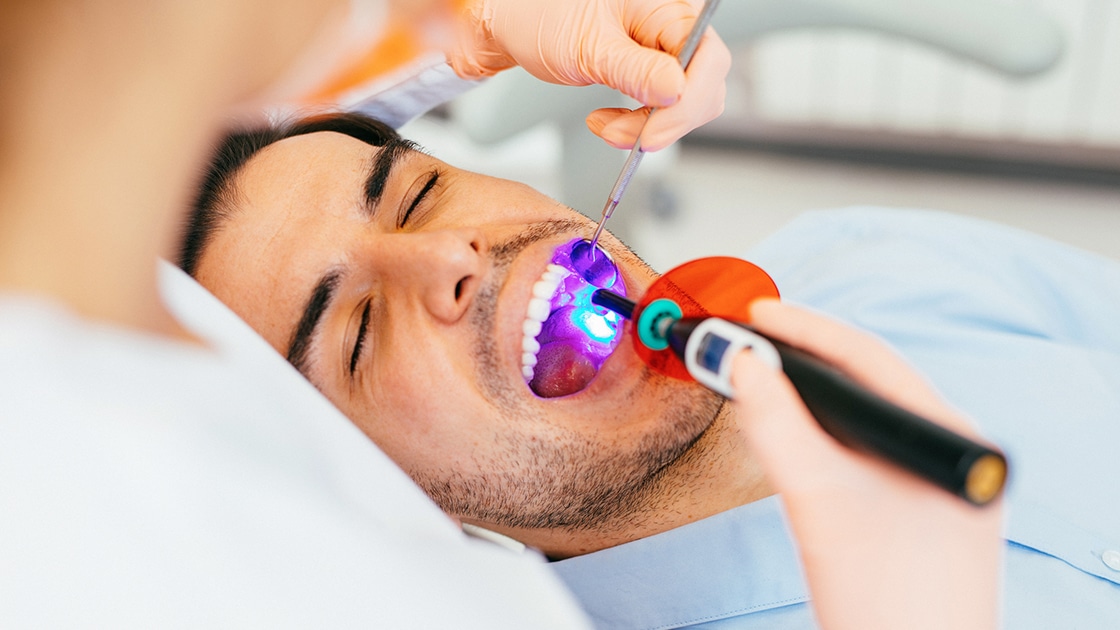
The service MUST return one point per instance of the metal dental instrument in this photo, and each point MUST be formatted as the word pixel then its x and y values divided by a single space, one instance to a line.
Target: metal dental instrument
pixel 635 157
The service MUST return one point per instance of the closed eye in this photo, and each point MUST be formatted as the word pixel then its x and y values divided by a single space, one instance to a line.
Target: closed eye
pixel 363 328
pixel 433 179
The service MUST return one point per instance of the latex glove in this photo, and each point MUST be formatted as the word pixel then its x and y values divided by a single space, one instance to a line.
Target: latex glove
pixel 881 549
pixel 629 45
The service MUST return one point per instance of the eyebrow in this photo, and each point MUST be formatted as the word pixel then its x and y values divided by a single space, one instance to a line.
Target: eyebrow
pixel 313 310
pixel 380 169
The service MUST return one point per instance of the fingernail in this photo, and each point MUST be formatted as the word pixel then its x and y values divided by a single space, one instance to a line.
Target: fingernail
pixel 761 306
pixel 617 133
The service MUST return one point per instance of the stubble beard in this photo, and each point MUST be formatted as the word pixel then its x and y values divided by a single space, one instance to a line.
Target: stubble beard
pixel 539 472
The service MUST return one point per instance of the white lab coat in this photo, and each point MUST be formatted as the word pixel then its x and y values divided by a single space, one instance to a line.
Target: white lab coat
pixel 153 483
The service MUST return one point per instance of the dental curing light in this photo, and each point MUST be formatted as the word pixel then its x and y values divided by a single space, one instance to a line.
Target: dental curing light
pixel 685 326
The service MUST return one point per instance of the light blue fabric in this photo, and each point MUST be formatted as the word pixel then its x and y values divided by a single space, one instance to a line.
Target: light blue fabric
pixel 1019 332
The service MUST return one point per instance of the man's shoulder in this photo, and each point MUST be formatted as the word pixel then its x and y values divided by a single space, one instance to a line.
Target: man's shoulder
pixel 736 569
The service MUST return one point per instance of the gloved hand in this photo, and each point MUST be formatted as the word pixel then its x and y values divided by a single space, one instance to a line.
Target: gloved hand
pixel 881 549
pixel 629 45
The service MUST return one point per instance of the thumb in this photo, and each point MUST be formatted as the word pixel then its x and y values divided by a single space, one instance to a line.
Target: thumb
pixel 774 417
pixel 617 125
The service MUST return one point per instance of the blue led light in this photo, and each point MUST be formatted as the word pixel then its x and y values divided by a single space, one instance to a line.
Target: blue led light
pixel 598 327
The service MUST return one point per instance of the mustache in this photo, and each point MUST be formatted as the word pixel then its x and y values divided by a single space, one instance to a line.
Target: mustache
pixel 504 252
pixel 483 316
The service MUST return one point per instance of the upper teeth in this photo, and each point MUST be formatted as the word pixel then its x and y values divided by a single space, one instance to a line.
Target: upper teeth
pixel 540 306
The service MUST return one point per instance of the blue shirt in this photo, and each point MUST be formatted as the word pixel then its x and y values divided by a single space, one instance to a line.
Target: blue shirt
pixel 1019 332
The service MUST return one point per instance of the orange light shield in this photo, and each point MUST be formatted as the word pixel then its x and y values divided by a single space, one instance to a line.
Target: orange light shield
pixel 720 286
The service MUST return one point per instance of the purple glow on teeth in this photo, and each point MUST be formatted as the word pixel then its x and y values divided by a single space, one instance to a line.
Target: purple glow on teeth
pixel 577 336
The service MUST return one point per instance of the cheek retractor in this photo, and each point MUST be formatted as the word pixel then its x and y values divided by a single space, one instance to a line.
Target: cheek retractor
pixel 567 338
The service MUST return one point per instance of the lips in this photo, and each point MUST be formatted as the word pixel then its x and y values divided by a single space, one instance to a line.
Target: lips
pixel 566 338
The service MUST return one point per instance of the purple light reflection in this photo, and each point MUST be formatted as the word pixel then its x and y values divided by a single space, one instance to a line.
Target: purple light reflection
pixel 578 336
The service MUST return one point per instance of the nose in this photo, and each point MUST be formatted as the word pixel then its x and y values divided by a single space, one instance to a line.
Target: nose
pixel 441 270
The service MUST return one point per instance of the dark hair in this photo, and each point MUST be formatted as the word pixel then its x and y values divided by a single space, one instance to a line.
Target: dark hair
pixel 215 200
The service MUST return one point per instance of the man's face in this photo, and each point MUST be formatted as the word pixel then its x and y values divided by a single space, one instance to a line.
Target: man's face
pixel 423 290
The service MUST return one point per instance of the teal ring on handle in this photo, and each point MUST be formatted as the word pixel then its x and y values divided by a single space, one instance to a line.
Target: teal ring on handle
pixel 651 316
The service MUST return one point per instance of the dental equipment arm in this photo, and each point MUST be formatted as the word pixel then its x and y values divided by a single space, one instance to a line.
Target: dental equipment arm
pixel 1014 39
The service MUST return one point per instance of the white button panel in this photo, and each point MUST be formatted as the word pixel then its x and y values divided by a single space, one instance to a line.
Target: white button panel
pixel 1111 559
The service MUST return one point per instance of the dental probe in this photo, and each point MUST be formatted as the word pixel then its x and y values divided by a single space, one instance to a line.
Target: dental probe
pixel 635 157
pixel 854 416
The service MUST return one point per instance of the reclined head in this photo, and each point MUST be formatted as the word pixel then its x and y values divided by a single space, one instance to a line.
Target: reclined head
pixel 401 287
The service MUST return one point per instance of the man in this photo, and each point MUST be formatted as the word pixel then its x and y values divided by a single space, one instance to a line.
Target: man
pixel 565 475
pixel 399 286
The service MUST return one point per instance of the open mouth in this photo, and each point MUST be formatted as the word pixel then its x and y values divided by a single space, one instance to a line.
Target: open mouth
pixel 566 338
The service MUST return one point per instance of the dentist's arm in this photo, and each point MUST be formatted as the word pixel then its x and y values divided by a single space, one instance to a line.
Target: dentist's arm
pixel 881 549
pixel 629 45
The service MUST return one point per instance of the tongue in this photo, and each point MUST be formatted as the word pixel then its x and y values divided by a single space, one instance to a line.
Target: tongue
pixel 561 370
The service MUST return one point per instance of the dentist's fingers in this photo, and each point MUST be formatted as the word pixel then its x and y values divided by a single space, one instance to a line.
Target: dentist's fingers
pixel 862 525
pixel 624 125
pixel 629 45
pixel 660 29
pixel 638 59
pixel 880 549
pixel 701 101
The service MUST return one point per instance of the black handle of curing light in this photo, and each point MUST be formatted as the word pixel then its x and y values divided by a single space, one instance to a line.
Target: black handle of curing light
pixel 868 423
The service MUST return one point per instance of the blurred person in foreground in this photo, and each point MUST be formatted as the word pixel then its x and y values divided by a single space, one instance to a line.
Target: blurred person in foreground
pixel 152 477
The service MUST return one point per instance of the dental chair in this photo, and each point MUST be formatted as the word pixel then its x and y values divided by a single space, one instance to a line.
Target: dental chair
pixel 1010 39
